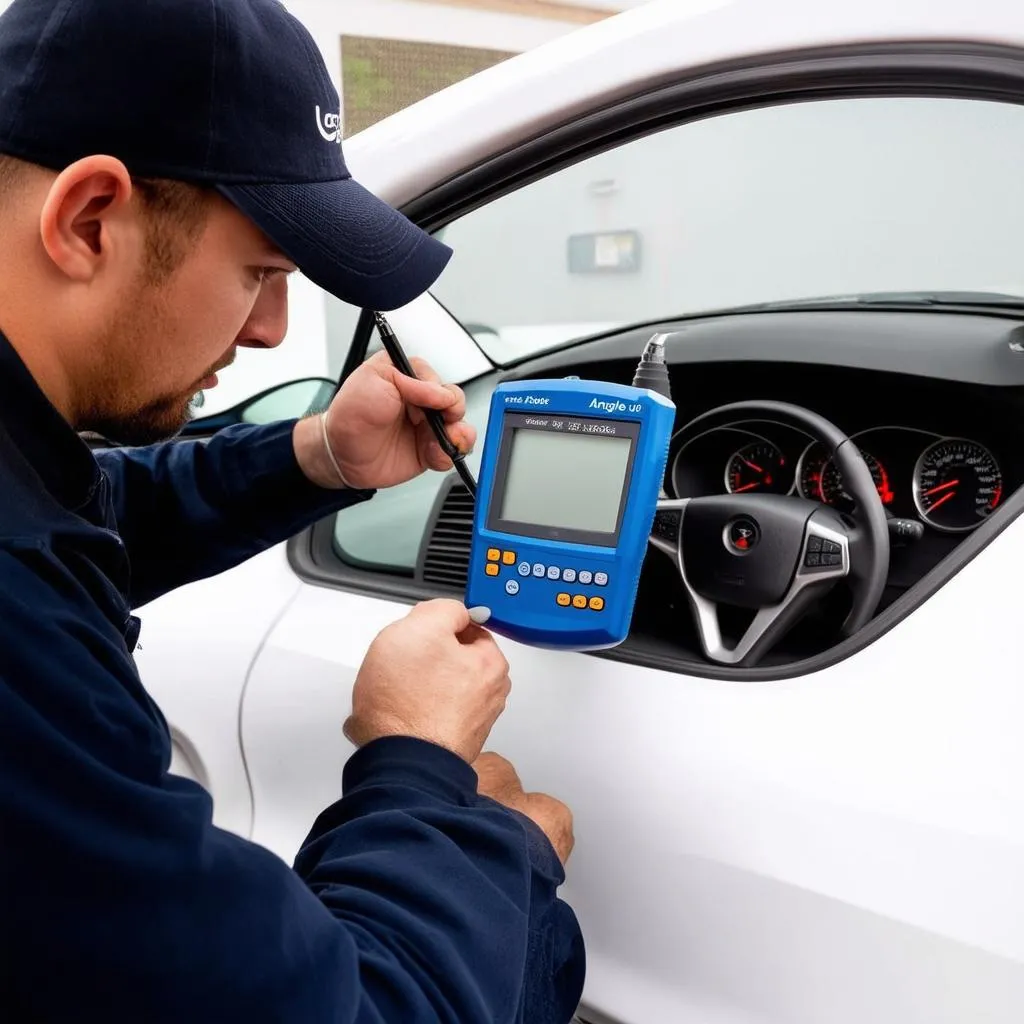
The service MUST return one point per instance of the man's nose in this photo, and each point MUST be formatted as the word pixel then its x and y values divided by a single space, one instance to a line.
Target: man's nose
pixel 268 321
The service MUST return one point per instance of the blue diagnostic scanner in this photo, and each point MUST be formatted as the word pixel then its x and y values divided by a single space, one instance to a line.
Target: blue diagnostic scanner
pixel 569 483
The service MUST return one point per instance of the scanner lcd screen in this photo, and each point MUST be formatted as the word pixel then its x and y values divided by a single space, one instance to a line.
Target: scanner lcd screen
pixel 565 481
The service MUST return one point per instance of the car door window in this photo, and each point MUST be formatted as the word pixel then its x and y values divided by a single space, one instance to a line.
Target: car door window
pixel 833 196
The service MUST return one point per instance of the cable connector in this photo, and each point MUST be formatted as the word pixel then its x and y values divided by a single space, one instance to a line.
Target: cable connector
pixel 652 371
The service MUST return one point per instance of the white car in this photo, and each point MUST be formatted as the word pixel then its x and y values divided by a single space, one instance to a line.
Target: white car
pixel 822 205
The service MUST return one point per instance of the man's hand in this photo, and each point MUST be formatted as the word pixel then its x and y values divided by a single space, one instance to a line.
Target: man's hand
pixel 434 675
pixel 499 781
pixel 377 430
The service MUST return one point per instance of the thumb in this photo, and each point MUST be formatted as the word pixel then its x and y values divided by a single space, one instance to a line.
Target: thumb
pixel 443 614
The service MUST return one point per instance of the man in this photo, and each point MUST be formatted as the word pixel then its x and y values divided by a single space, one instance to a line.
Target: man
pixel 165 166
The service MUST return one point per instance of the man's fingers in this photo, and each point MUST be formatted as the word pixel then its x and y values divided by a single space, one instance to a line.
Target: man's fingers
pixel 428 392
pixel 462 435
pixel 444 613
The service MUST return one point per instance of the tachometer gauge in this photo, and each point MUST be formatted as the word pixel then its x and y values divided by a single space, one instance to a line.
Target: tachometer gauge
pixel 812 462
pixel 758 466
pixel 957 484
pixel 832 491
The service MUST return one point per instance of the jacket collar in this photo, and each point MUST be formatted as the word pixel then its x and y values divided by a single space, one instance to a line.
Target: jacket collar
pixel 60 458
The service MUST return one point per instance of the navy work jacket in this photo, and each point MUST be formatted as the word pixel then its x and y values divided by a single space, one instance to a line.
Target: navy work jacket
pixel 412 899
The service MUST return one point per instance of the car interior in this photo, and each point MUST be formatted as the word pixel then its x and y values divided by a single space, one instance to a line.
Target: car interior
pixel 930 390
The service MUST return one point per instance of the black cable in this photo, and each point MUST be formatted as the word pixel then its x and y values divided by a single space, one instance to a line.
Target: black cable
pixel 394 350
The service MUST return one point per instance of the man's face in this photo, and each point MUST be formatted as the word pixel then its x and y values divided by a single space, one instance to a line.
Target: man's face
pixel 166 337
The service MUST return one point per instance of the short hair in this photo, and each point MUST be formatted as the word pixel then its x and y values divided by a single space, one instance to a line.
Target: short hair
pixel 176 213
pixel 11 171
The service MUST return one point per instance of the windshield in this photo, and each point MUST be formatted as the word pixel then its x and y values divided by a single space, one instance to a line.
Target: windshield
pixel 831 197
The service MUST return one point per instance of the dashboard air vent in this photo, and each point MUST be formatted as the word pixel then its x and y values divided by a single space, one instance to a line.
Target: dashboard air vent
pixel 444 558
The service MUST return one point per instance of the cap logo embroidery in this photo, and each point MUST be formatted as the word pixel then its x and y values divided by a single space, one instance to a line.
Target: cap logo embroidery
pixel 329 126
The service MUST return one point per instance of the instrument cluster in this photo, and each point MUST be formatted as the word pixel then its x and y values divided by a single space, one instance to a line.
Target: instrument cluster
pixel 951 484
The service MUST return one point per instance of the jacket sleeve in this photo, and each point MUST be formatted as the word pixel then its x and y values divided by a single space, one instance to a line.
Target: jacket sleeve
pixel 412 900
pixel 191 509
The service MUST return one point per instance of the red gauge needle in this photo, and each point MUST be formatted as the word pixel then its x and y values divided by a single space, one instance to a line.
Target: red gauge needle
pixel 756 469
pixel 941 487
pixel 745 487
pixel 942 501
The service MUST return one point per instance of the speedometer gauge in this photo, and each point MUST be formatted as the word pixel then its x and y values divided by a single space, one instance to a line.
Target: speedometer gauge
pixel 758 466
pixel 957 484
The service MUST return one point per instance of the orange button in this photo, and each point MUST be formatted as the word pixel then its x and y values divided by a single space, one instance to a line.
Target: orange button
pixel 563 600
pixel 508 557
pixel 493 554
pixel 492 569
pixel 596 603
pixel 579 601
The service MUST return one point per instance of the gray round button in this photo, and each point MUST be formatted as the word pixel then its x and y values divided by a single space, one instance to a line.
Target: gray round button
pixel 553 572
pixel 523 568
pixel 585 576
pixel 538 568
pixel 512 587
pixel 601 579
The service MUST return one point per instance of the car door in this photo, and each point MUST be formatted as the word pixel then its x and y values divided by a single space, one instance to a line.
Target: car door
pixel 838 843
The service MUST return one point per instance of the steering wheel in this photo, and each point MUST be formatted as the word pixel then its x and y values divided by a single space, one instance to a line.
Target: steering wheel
pixel 775 554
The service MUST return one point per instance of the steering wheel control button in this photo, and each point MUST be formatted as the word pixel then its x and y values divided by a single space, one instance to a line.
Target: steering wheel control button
pixel 601 579
pixel 831 553
pixel 823 553
pixel 585 577
pixel 563 600
pixel 523 569
pixel 493 554
pixel 539 569
pixel 579 601
pixel 667 522
pixel 512 587
pixel 569 575
pixel 508 557
pixel 554 572
pixel 492 569
pixel 596 604
pixel 742 535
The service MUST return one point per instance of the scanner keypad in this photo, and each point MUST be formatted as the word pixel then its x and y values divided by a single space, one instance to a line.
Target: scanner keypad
pixel 498 560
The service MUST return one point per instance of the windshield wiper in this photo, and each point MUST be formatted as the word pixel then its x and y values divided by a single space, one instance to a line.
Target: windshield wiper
pixel 973 299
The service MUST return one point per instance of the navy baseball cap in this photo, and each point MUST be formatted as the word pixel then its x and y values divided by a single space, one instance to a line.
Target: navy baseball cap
pixel 232 94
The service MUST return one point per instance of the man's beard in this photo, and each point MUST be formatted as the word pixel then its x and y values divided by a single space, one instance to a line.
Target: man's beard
pixel 159 420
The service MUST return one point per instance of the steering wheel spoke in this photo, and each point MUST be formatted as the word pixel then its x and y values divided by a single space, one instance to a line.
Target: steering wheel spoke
pixel 806 550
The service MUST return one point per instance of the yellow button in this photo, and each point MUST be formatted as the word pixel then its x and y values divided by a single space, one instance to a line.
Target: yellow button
pixel 563 600
pixel 493 554
pixel 492 569
pixel 579 601
pixel 508 557
pixel 596 603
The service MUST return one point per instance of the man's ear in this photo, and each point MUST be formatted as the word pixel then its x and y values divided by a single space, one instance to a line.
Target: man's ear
pixel 86 202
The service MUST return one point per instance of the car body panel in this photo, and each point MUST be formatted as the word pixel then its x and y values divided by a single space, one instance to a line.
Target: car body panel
pixel 197 646
pixel 843 846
